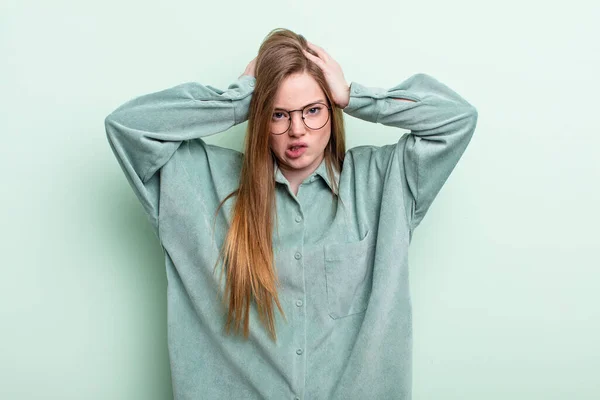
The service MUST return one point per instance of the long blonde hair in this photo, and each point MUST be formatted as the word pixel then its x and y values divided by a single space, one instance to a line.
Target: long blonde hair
pixel 247 251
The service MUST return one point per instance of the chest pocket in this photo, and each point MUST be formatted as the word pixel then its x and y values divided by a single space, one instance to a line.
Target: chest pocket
pixel 349 276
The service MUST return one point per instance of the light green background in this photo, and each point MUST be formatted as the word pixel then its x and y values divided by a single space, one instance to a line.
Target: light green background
pixel 504 267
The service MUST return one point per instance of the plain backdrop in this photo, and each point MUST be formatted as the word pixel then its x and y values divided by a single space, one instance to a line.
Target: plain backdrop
pixel 504 267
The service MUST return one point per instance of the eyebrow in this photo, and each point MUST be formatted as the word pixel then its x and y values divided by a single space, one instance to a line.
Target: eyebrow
pixel 316 101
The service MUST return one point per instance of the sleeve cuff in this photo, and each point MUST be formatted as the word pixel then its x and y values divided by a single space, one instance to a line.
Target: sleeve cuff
pixel 247 80
pixel 243 88
pixel 363 102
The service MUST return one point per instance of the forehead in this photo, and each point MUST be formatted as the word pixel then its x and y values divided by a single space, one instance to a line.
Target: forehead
pixel 298 90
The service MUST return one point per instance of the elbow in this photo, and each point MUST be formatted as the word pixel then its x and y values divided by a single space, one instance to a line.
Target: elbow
pixel 110 125
pixel 112 120
pixel 474 115
pixel 470 113
pixel 108 120
pixel 473 111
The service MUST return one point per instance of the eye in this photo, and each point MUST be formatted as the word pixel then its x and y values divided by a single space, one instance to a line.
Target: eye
pixel 278 115
pixel 314 110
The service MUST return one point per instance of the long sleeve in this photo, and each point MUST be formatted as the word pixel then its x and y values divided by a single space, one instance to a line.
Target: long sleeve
pixel 146 131
pixel 441 124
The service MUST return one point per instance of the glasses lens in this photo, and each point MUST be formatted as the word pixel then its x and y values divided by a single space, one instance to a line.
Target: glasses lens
pixel 280 122
pixel 316 115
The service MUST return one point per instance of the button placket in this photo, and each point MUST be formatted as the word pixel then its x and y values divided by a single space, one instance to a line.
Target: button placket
pixel 296 218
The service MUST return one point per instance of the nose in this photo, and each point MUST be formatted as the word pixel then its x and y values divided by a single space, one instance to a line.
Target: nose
pixel 297 125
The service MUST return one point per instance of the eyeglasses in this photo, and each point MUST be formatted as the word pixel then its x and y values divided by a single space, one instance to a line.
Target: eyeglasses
pixel 314 116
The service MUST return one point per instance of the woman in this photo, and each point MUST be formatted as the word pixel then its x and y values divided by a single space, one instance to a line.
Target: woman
pixel 313 240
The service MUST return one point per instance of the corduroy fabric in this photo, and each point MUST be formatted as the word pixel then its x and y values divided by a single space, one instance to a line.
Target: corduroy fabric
pixel 343 268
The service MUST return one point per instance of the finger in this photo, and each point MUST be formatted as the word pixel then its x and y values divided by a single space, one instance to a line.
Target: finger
pixel 319 50
pixel 314 59
pixel 310 55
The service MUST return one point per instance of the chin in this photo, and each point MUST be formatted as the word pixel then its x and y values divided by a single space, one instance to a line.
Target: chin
pixel 297 164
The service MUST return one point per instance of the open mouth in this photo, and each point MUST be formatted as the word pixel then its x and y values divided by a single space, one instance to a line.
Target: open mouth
pixel 295 151
pixel 297 146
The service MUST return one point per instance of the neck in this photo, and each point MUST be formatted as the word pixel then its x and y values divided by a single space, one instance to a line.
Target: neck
pixel 296 176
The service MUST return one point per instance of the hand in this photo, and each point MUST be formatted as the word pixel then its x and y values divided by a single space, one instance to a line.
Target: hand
pixel 250 68
pixel 340 90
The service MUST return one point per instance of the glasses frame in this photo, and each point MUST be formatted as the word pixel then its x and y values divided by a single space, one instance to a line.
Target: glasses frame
pixel 304 122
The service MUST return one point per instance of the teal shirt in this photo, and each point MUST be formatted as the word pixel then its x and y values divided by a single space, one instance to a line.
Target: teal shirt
pixel 342 265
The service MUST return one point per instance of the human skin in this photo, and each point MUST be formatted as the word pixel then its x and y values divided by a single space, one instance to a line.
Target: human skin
pixel 295 92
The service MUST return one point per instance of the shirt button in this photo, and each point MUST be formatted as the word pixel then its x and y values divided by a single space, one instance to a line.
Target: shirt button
pixel 297 256
pixel 299 303
pixel 298 218
pixel 299 351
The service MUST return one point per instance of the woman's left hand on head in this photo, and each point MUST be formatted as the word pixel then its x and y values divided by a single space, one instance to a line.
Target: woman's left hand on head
pixel 340 90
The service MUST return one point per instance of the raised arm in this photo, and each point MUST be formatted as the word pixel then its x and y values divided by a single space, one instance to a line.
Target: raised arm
pixel 441 124
pixel 146 131
pixel 440 120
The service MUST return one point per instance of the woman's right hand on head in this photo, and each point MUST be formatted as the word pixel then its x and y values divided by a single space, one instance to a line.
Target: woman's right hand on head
pixel 250 68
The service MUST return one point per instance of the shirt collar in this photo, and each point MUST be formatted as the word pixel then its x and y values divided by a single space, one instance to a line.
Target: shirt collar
pixel 321 171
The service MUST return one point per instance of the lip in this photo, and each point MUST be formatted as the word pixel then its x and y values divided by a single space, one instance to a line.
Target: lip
pixel 293 154
pixel 299 144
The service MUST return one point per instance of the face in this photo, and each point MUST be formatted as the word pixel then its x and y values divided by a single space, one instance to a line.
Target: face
pixel 295 92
